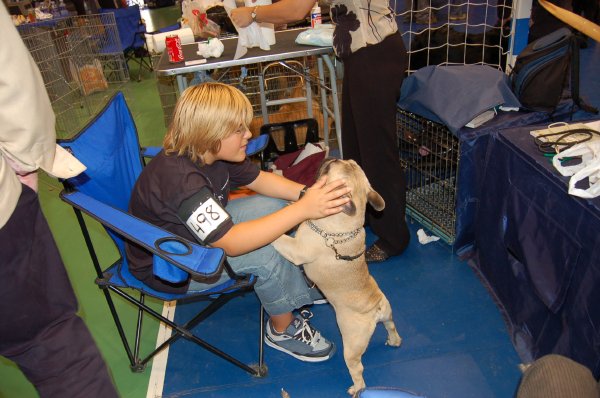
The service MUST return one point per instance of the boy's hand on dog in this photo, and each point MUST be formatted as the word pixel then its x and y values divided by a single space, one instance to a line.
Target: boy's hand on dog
pixel 324 199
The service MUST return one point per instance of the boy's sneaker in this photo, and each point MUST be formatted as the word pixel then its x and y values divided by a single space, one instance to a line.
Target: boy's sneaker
pixel 300 340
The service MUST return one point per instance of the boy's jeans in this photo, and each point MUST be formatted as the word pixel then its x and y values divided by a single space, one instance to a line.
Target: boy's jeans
pixel 281 286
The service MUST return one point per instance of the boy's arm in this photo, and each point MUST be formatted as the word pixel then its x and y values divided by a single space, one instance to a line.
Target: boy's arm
pixel 276 186
pixel 319 201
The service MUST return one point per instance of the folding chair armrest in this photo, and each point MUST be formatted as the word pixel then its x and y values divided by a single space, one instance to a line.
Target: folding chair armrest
pixel 151 151
pixel 200 261
pixel 142 26
pixel 257 145
pixel 169 28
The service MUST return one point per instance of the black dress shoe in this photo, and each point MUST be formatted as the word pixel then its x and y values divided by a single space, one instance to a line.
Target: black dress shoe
pixel 375 254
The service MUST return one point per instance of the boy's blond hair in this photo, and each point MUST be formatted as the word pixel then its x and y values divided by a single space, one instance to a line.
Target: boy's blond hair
pixel 204 115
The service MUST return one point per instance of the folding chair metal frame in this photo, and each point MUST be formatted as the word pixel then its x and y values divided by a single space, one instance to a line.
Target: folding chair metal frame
pixel 133 41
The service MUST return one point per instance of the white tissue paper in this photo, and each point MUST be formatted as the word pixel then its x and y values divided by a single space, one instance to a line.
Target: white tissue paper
pixel 424 238
pixel 156 42
pixel 321 35
pixel 211 48
pixel 254 35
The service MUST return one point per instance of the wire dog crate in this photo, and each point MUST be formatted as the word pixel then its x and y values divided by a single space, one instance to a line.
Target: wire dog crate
pixel 81 63
pixel 430 154
pixel 286 89
pixel 167 91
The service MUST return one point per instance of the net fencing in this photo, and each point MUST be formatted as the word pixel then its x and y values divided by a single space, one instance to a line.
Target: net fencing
pixel 455 32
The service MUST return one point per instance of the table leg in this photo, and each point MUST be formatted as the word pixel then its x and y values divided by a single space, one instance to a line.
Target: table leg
pixel 181 83
pixel 335 102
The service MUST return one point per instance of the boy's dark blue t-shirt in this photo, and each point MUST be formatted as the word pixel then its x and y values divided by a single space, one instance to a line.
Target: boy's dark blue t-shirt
pixel 158 193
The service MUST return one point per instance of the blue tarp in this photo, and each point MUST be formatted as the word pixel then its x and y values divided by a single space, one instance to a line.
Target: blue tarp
pixel 537 248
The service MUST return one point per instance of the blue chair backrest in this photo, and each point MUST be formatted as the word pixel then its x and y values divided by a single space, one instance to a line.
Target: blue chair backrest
pixel 128 25
pixel 109 147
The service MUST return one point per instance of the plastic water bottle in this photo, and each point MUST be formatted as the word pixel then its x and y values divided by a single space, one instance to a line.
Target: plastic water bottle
pixel 315 16
pixel 62 9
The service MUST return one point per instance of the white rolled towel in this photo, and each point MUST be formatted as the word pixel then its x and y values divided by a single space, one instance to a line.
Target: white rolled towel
pixel 156 42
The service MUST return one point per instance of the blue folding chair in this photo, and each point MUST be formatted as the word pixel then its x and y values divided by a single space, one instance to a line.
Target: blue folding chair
pixel 132 29
pixel 110 149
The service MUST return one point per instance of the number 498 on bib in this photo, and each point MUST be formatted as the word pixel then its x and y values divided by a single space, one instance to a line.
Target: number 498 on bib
pixel 207 218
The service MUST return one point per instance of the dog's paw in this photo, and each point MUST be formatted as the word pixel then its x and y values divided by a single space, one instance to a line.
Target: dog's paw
pixel 353 392
pixel 394 340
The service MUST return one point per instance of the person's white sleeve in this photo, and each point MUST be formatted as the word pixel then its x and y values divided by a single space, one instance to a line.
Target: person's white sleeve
pixel 27 130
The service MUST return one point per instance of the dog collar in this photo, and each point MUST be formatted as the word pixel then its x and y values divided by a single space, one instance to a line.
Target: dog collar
pixel 331 240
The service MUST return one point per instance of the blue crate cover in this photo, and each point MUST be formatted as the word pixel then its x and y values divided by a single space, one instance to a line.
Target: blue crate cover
pixel 453 95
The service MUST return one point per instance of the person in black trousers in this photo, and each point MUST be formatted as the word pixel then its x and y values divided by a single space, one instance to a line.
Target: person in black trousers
pixel 589 9
pixel 542 22
pixel 373 75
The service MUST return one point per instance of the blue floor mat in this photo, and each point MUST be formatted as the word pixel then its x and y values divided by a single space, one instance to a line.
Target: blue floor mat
pixel 454 340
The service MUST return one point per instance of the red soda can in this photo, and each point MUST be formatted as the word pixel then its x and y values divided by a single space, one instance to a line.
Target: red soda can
pixel 173 44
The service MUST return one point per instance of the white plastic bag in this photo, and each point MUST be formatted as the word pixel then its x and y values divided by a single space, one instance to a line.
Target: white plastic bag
pixel 195 17
pixel 322 35
pixel 588 168
pixel 588 151
pixel 592 173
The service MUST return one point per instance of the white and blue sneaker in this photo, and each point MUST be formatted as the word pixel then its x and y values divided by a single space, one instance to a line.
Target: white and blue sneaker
pixel 300 340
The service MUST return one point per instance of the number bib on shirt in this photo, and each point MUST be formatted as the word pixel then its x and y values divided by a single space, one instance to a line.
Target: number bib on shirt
pixel 203 215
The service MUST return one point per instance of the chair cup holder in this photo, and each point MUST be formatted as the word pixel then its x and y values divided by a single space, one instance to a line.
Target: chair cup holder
pixel 163 268
pixel 173 246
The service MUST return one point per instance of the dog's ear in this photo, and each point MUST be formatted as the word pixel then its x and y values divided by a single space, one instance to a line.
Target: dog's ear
pixel 375 200
pixel 349 208
pixel 324 167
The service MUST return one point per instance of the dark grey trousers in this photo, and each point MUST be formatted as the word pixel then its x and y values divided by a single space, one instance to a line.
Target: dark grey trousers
pixel 40 330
